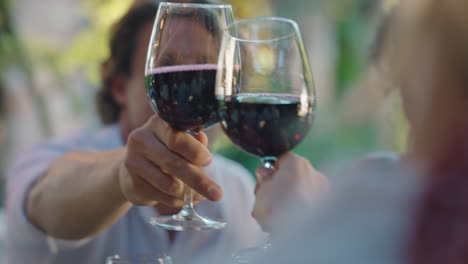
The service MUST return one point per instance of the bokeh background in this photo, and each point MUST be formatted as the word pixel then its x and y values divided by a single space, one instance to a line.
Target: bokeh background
pixel 50 52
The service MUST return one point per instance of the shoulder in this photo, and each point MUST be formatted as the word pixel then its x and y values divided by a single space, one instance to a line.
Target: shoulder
pixel 37 157
pixel 375 186
pixel 102 139
pixel 378 159
pixel 372 204
pixel 379 173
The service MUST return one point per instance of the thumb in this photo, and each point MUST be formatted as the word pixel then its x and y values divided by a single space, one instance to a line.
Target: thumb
pixel 264 174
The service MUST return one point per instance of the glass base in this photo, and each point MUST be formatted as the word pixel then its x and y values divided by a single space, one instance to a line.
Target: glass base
pixel 181 222
pixel 247 255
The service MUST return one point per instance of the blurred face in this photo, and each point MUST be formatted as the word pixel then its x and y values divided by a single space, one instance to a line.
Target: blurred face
pixel 138 109
pixel 191 38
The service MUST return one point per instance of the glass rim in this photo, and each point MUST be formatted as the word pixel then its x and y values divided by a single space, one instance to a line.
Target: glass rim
pixel 294 31
pixel 195 5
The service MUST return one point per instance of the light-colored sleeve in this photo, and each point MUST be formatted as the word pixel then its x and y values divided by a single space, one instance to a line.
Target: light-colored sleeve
pixel 238 185
pixel 364 220
pixel 21 233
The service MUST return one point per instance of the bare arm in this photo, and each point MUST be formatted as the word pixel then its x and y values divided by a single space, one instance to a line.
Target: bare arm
pixel 82 194
pixel 79 195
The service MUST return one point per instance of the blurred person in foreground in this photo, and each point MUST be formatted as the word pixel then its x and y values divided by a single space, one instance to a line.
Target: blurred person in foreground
pixel 407 210
pixel 72 200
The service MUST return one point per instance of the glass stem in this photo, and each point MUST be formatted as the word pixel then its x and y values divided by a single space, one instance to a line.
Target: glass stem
pixel 188 209
pixel 267 245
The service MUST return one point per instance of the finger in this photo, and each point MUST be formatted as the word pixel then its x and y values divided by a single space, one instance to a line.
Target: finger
pixel 190 174
pixel 146 194
pixel 155 176
pixel 168 200
pixel 202 138
pixel 180 142
pixel 198 197
pixel 264 174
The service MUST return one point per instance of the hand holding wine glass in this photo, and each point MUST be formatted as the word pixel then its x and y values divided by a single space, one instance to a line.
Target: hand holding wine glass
pixel 158 160
pixel 180 75
pixel 293 186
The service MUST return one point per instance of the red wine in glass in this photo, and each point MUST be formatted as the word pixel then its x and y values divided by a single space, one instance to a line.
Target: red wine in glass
pixel 183 95
pixel 266 125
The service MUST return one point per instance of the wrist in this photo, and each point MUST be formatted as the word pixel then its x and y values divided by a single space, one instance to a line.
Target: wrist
pixel 119 172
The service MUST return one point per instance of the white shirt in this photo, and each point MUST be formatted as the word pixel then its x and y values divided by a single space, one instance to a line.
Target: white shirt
pixel 367 219
pixel 132 234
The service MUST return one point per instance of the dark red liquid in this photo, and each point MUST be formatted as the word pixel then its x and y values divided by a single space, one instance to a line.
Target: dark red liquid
pixel 266 125
pixel 184 95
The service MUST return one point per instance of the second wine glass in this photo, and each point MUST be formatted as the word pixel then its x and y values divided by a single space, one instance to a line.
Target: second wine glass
pixel 265 87
pixel 180 75
pixel 266 92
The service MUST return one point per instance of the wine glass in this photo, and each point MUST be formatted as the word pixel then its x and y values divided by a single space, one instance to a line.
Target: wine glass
pixel 180 76
pixel 265 91
pixel 140 259
pixel 265 87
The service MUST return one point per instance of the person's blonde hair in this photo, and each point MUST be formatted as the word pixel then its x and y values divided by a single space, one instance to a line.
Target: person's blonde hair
pixel 430 58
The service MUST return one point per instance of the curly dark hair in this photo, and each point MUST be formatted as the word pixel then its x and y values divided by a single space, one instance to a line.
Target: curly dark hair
pixel 123 42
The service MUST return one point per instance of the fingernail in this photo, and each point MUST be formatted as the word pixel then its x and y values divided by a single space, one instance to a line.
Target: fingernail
pixel 263 173
pixel 215 193
pixel 208 161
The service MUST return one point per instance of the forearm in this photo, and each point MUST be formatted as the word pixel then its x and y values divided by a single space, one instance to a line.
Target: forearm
pixel 79 195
